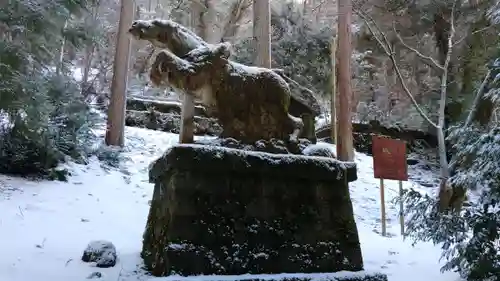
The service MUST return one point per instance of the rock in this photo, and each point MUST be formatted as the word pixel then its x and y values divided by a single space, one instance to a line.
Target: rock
pixel 427 184
pixel 319 150
pixel 94 275
pixel 226 211
pixel 425 167
pixel 274 146
pixel 102 252
pixel 412 162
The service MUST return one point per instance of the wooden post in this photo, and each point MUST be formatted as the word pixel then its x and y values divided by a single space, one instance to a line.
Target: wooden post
pixel 186 134
pixel 345 149
pixel 333 102
pixel 401 214
pixel 187 119
pixel 382 208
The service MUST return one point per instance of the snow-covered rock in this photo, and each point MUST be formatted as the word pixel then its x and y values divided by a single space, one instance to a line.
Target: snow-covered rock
pixel 102 252
pixel 319 150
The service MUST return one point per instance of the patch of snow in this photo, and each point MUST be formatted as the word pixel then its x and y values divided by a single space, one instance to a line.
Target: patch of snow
pixel 322 120
pixel 169 101
pixel 77 73
pixel 160 101
pixel 45 225
pixel 5 122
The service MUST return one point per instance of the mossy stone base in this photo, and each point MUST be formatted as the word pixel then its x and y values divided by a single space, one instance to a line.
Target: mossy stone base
pixel 340 276
pixel 227 211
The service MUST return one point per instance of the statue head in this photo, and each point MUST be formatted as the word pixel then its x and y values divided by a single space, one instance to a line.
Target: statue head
pixel 166 34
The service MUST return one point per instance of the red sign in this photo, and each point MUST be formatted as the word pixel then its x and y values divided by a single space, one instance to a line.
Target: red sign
pixel 389 158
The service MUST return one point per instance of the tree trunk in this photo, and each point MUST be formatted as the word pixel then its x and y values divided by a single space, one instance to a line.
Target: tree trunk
pixel 445 191
pixel 453 109
pixel 61 52
pixel 333 102
pixel 87 65
pixel 262 32
pixel 89 51
pixel 116 112
pixel 345 150
pixel 475 51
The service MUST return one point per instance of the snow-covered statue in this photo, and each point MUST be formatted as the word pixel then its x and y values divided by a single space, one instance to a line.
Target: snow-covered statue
pixel 252 106
pixel 251 103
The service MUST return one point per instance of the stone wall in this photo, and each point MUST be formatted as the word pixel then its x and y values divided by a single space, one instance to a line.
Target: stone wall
pixel 226 211
pixel 170 122
pixel 362 136
pixel 167 117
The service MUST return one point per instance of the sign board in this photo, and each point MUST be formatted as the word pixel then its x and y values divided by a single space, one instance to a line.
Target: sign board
pixel 389 158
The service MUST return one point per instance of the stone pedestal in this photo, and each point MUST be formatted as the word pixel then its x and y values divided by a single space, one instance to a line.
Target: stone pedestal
pixel 227 211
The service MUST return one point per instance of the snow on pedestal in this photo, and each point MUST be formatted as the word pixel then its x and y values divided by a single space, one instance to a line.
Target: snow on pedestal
pixel 226 211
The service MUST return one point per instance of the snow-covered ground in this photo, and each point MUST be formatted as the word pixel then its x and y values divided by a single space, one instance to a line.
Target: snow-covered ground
pixel 45 226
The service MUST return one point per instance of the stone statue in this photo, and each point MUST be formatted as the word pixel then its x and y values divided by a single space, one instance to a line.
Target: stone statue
pixel 251 103
pixel 205 196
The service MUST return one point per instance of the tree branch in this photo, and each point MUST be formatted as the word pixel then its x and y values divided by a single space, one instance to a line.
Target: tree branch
pixel 386 46
pixel 475 32
pixel 477 99
pixel 236 13
pixel 318 6
pixel 418 53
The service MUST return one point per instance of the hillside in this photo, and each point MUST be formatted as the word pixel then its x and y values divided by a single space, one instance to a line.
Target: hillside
pixel 50 223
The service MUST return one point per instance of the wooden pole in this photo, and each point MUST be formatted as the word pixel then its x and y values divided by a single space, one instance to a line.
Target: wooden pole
pixel 382 208
pixel 333 103
pixel 186 134
pixel 345 149
pixel 401 214
pixel 115 130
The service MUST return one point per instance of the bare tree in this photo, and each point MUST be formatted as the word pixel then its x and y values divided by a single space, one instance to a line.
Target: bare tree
pixel 90 20
pixel 116 113
pixel 233 22
pixel 446 192
pixel 262 32
pixel 345 148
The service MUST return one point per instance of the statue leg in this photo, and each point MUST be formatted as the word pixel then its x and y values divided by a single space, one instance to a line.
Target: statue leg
pixel 298 126
pixel 309 131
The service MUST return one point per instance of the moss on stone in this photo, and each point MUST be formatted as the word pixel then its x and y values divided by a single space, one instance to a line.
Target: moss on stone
pixel 343 276
pixel 309 130
pixel 227 211
pixel 210 159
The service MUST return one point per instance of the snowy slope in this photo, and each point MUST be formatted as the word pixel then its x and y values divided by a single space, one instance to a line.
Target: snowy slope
pixel 44 226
